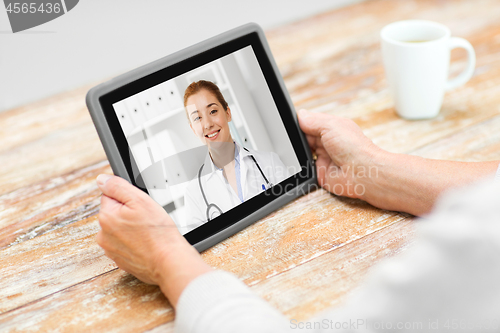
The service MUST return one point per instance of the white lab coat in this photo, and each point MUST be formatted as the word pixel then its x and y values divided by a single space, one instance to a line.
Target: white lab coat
pixel 218 190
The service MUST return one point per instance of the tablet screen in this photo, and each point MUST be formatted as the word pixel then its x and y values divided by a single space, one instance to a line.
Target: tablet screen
pixel 208 140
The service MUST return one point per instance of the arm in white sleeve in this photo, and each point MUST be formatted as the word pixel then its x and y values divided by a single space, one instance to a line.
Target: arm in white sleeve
pixel 448 277
pixel 446 281
pixel 218 302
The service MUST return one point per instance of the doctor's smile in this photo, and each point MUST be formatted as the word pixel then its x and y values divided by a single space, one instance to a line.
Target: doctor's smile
pixel 213 135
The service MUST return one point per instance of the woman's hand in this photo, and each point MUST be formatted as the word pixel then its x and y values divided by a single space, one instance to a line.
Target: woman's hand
pixel 350 164
pixel 346 158
pixel 143 240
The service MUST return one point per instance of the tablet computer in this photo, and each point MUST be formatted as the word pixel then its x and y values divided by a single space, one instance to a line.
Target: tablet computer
pixel 210 133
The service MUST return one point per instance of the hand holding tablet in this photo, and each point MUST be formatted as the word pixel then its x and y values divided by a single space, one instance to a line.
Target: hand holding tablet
pixel 143 240
pixel 209 133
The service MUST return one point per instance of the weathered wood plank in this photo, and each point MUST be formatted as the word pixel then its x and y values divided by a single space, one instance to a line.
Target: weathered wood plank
pixel 323 283
pixel 34 121
pixel 112 302
pixel 299 293
pixel 313 225
pixel 39 208
pixel 468 107
pixel 60 152
pixel 480 142
pixel 50 263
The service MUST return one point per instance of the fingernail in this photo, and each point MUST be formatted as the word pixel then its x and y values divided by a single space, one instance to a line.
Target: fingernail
pixel 102 179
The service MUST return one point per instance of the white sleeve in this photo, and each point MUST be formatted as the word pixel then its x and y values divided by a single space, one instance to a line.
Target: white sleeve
pixel 218 302
pixel 448 277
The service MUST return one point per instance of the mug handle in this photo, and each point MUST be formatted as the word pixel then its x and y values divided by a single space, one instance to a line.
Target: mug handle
pixel 463 77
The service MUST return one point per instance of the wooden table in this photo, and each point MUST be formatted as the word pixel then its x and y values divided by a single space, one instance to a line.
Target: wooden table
pixel 302 258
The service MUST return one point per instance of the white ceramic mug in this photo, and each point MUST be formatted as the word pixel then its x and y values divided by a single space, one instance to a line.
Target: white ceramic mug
pixel 416 57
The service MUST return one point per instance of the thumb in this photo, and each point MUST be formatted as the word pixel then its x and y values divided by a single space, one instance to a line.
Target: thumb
pixel 313 124
pixel 116 188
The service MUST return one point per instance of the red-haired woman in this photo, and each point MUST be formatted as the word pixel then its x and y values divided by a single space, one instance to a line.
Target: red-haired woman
pixel 231 174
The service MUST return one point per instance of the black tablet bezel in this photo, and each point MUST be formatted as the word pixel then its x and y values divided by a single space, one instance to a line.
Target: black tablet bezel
pixel 285 110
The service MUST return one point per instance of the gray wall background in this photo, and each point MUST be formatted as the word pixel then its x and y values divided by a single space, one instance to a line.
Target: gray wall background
pixel 100 39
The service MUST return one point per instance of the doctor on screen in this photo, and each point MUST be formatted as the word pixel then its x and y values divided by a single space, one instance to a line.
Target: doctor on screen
pixel 230 174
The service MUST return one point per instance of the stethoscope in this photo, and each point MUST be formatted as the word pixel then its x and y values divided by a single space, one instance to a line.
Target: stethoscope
pixel 213 206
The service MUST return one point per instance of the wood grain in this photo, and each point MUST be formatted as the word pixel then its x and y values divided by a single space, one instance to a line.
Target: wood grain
pixel 59 152
pixel 480 142
pixel 111 302
pixel 325 282
pixel 111 290
pixel 33 210
pixel 293 235
pixel 302 258
pixel 313 225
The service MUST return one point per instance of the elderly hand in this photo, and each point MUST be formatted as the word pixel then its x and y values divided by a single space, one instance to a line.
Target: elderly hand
pixel 345 156
pixel 350 164
pixel 143 240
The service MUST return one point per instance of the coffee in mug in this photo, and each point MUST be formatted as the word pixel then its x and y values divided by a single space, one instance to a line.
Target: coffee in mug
pixel 416 56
